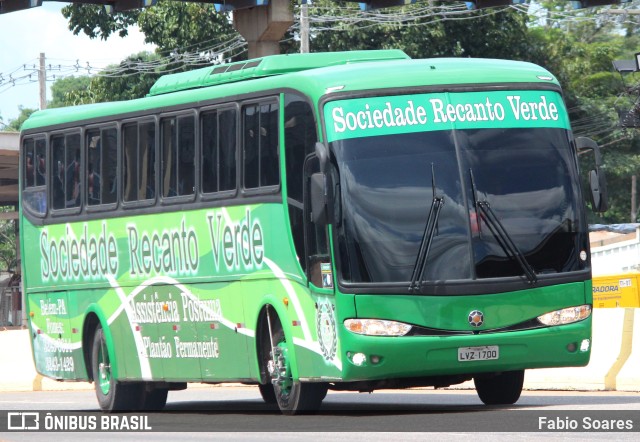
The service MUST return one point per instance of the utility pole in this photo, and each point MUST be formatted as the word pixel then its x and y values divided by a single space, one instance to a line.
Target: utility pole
pixel 633 198
pixel 42 81
pixel 304 27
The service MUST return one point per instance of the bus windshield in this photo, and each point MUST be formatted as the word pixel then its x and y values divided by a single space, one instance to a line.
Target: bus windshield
pixel 506 194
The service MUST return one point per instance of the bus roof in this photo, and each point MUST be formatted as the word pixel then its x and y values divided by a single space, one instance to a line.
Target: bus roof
pixel 264 67
pixel 312 74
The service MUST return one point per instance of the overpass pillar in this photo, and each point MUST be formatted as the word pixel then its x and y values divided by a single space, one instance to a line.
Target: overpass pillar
pixel 264 26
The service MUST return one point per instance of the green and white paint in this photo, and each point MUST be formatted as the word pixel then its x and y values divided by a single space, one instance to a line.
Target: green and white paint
pixel 179 298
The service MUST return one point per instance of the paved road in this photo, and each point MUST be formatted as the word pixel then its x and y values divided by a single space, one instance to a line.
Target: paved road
pixel 238 413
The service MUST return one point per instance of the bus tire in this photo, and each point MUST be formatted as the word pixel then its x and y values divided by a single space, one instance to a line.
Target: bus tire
pixel 153 400
pixel 501 389
pixel 112 395
pixel 292 396
pixel 267 393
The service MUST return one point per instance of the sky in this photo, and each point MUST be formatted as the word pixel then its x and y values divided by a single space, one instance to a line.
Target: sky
pixel 47 31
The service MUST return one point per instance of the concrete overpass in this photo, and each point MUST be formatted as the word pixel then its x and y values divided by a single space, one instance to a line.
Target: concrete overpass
pixel 262 23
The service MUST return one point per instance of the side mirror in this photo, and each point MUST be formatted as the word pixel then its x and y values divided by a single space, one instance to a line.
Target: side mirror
pixel 598 185
pixel 597 179
pixel 323 156
pixel 320 197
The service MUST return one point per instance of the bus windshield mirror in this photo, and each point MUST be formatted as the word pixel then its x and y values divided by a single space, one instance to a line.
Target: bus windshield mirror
pixel 427 237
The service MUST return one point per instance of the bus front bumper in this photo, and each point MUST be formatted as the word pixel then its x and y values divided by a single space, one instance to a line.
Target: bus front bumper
pixel 373 357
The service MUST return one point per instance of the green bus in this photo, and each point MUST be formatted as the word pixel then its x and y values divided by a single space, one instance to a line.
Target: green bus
pixel 346 221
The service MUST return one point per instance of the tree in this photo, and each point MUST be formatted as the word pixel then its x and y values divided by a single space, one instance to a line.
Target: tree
pixel 16 124
pixel 182 26
pixel 185 33
pixel 172 26
pixel 64 88
pixel 499 34
pixel 125 81
pixel 95 21
pixel 580 53
pixel 7 241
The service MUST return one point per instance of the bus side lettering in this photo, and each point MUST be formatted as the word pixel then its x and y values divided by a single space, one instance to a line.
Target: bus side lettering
pixel 171 251
pixel 240 244
pixel 215 238
pixel 72 258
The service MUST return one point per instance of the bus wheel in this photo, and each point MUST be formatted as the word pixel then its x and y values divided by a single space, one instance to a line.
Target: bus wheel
pixel 112 395
pixel 293 397
pixel 501 389
pixel 153 400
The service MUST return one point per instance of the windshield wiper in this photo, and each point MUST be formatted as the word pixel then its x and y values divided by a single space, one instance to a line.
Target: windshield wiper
pixel 427 237
pixel 500 233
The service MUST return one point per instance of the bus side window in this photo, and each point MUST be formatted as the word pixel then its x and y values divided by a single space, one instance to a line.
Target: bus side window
pixel 66 163
pixel 130 144
pixel 93 147
pixel 168 157
pixel 269 170
pixel 251 147
pixel 102 161
pixel 139 148
pixel 35 194
pixel 57 179
pixel 29 163
pixel 227 140
pixel 109 162
pixel 186 168
pixel 260 145
pixel 41 162
pixel 73 170
pixel 147 161
pixel 178 155
pixel 218 160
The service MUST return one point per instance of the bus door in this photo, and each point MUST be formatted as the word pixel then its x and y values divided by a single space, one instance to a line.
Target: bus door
pixel 319 265
pixel 320 277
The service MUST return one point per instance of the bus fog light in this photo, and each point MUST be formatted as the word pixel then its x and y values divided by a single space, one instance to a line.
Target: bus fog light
pixel 566 315
pixel 572 347
pixel 584 345
pixel 359 359
pixel 376 327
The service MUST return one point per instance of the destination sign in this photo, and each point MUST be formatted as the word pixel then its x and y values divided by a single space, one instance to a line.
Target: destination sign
pixel 375 116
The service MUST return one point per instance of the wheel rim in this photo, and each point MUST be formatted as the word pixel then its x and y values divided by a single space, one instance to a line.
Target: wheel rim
pixel 104 369
pixel 285 380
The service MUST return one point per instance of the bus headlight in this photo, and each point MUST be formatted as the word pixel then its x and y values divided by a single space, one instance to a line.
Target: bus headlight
pixel 566 315
pixel 376 327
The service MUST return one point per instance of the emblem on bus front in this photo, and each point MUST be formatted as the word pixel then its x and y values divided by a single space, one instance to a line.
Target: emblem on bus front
pixel 476 318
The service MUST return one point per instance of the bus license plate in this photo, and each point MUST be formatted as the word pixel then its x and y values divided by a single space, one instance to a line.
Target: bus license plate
pixel 490 352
